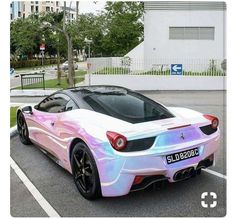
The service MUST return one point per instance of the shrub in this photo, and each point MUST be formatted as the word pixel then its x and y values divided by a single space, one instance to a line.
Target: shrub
pixel 32 63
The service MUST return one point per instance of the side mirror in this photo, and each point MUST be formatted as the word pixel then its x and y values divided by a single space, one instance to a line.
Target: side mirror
pixel 27 110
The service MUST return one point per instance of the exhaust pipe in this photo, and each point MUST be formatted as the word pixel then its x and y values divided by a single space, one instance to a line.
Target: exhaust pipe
pixel 184 174
pixel 178 175
pixel 192 172
pixel 198 171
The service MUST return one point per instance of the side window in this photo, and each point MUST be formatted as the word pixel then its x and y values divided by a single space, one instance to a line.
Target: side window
pixel 71 106
pixel 56 103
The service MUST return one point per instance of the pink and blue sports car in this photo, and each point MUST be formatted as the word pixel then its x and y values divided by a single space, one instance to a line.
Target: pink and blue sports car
pixel 114 140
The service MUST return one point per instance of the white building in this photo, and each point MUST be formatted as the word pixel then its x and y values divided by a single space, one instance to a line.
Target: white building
pixel 70 13
pixel 22 9
pixel 182 30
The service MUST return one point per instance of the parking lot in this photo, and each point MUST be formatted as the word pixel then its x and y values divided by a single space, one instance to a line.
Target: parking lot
pixel 170 199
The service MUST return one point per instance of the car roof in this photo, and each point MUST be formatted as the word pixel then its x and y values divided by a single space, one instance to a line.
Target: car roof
pixel 78 93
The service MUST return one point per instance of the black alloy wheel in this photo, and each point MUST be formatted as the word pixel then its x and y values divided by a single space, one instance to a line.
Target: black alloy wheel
pixel 85 172
pixel 23 129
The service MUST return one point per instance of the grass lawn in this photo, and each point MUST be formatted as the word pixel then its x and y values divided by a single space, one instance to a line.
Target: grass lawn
pixel 52 83
pixel 13 116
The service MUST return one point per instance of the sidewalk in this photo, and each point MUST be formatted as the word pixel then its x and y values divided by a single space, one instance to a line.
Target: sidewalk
pixel 32 92
pixel 37 92
pixel 36 68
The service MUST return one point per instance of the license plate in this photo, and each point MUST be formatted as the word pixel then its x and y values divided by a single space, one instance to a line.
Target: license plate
pixel 183 155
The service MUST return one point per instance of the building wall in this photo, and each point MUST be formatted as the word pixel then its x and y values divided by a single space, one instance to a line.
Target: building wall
pixel 137 52
pixel 154 82
pixel 27 8
pixel 30 7
pixel 159 16
pixel 15 10
pixel 158 44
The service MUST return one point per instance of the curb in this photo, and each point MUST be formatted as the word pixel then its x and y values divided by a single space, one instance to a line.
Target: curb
pixel 13 131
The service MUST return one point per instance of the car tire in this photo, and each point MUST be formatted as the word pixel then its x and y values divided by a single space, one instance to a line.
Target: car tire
pixel 85 173
pixel 22 129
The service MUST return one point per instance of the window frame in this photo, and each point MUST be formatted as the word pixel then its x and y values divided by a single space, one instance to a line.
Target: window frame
pixel 37 107
pixel 103 109
pixel 184 33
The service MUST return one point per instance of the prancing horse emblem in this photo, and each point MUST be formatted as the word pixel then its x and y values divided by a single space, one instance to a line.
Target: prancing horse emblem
pixel 182 135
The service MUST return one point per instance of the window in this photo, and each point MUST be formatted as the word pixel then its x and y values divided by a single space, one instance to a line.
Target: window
pixel 57 3
pixel 176 33
pixel 37 8
pixel 191 33
pixel 51 9
pixel 57 103
pixel 47 8
pixel 130 107
pixel 71 106
pixel 19 14
pixel 11 16
pixel 32 8
pixel 207 33
pixel 36 2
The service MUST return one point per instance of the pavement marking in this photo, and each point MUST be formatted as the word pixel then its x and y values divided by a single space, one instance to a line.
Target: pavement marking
pixel 50 211
pixel 215 173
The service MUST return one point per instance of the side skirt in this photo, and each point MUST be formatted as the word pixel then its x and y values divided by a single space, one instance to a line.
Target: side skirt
pixel 48 153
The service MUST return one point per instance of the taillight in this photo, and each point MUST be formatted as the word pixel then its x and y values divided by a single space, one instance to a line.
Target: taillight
pixel 117 140
pixel 214 121
pixel 138 179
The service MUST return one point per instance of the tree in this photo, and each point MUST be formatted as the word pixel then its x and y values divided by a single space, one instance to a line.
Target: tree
pixel 90 26
pixel 114 32
pixel 25 36
pixel 124 30
pixel 58 22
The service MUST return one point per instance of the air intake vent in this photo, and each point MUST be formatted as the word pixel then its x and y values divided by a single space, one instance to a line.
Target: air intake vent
pixel 208 130
pixel 139 144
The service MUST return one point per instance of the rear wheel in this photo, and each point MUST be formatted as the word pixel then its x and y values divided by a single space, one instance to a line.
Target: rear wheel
pixel 23 129
pixel 85 172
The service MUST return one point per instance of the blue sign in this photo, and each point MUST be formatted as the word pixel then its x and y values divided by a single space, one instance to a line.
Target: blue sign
pixel 176 69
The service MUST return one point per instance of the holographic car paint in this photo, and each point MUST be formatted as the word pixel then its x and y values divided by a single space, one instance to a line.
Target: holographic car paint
pixel 117 170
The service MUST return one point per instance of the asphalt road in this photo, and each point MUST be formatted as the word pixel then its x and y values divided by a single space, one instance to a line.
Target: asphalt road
pixel 175 199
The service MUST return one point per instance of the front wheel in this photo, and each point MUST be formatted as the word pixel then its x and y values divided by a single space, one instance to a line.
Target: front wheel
pixel 85 172
pixel 23 129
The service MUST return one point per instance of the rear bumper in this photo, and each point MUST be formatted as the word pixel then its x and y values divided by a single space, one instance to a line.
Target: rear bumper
pixel 117 175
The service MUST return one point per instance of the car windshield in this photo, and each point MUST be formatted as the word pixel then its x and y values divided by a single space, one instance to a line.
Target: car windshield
pixel 126 105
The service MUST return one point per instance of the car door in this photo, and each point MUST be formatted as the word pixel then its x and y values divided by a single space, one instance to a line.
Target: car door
pixel 46 127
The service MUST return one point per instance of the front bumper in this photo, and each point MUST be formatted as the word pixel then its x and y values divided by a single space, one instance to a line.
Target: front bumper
pixel 117 174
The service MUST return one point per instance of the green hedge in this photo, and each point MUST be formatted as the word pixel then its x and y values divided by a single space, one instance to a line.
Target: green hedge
pixel 32 63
